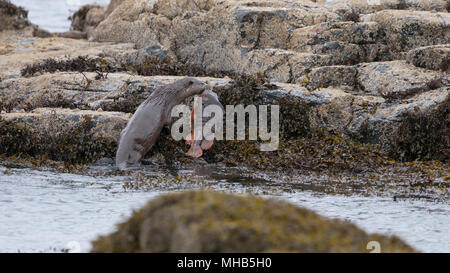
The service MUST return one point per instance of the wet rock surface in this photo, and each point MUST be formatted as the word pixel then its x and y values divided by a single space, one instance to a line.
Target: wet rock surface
pixel 218 222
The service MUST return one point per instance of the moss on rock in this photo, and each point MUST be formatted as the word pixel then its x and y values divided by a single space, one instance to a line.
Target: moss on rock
pixel 217 222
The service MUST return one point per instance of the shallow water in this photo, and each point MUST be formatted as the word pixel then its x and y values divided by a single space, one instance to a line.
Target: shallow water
pixel 52 14
pixel 45 211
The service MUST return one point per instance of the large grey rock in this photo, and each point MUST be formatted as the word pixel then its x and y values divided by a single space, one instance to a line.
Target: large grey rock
pixel 227 35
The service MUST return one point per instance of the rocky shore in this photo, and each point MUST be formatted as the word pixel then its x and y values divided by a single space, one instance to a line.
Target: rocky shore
pixel 372 76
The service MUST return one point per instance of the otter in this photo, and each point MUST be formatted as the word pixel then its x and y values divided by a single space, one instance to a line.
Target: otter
pixel 145 126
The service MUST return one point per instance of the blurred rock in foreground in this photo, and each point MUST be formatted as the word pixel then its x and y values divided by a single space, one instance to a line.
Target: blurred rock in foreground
pixel 218 222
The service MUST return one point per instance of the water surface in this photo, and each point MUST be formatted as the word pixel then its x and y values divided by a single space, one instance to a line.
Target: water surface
pixel 46 211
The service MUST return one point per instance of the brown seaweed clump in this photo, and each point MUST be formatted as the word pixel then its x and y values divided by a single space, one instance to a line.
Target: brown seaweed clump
pixel 208 221
pixel 424 135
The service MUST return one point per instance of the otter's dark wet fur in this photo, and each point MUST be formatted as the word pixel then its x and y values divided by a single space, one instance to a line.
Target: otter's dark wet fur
pixel 152 115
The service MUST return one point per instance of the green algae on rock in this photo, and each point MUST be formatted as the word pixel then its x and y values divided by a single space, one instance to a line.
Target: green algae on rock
pixel 216 222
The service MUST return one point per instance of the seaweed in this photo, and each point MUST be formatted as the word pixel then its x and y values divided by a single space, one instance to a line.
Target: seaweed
pixel 424 135
pixel 71 145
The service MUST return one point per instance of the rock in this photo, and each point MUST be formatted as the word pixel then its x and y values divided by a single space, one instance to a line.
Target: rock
pixel 371 6
pixel 104 124
pixel 87 18
pixel 431 57
pixel 424 135
pixel 406 30
pixel 135 29
pixel 119 92
pixel 12 16
pixel 73 34
pixel 397 79
pixel 218 222
pixel 345 42
pixel 216 34
pixel 334 76
pixel 113 4
pixel 382 123
pixel 41 33
pixel 22 50
pixel 15 18
pixel 274 36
